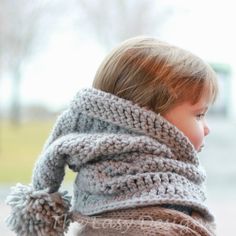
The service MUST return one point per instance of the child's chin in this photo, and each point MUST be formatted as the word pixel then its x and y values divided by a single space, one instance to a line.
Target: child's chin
pixel 200 148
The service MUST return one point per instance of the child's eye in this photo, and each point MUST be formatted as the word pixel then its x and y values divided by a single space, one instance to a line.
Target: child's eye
pixel 200 116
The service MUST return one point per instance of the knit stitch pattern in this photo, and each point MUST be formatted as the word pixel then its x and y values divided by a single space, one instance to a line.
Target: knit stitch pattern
pixel 150 220
pixel 126 156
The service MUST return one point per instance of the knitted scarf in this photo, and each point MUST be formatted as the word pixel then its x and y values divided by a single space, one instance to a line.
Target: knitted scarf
pixel 126 157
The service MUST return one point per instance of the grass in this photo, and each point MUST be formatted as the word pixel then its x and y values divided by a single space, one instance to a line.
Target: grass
pixel 20 147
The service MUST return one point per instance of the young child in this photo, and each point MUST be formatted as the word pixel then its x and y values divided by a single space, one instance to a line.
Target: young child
pixel 133 139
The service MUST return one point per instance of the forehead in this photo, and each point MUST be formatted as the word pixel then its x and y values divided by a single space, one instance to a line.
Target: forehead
pixel 206 93
pixel 207 96
pixel 203 102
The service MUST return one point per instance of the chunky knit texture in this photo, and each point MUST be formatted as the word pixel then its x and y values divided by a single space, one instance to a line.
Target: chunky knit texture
pixel 126 156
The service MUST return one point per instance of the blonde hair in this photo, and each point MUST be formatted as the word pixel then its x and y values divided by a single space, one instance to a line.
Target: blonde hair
pixel 155 74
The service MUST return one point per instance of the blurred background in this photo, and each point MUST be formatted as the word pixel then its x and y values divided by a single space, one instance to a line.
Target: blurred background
pixel 51 49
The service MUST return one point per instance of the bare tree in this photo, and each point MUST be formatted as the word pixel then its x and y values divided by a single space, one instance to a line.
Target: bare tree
pixel 19 24
pixel 112 21
pixel 24 25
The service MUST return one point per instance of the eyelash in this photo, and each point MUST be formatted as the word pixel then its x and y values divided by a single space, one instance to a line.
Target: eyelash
pixel 200 116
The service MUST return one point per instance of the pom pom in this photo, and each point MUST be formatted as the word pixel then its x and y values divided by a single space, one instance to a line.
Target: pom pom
pixel 38 212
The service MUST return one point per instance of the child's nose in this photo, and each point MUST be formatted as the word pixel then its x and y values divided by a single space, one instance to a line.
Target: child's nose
pixel 206 130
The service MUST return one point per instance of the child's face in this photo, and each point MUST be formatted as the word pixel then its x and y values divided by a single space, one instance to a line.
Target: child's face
pixel 190 119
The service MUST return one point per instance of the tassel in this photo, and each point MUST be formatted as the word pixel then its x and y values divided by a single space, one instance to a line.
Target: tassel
pixel 37 212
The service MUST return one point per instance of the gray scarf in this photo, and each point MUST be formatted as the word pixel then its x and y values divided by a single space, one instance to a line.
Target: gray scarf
pixel 126 156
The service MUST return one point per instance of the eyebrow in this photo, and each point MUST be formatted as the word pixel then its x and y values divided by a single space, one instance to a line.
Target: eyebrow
pixel 205 108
